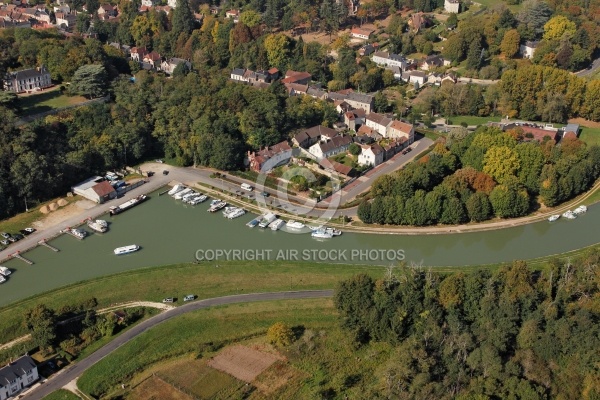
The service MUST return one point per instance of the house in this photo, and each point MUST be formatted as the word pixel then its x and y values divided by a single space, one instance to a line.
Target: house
pixel 364 130
pixel 270 157
pixel 107 9
pixel 64 20
pixel 361 33
pixel 378 122
pixel 452 6
pixel 237 74
pixel 27 80
pixel 330 146
pixel 317 92
pixel 296 89
pixel 354 118
pixel 342 106
pixel 65 9
pixel 308 137
pixel 569 130
pixel 531 131
pixel 399 129
pixel 434 61
pixel 138 53
pixel 96 189
pixel 418 21
pixel 16 376
pixel 360 100
pixel 448 77
pixel 302 78
pixel 335 166
pixel 527 50
pixel 414 77
pixel 169 65
pixel 384 59
pixel 233 14
pixel 394 147
pixel 368 49
pixel 371 155
pixel 152 58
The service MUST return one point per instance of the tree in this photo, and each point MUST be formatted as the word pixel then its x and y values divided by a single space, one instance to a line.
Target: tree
pixel 354 149
pixel 364 212
pixel 183 19
pixel 40 321
pixel 501 162
pixel 452 21
pixel 250 18
pixel 533 16
pixel 380 102
pixel 280 334
pixel 330 19
pixel 509 201
pixel 474 55
pixel 478 207
pixel 89 80
pixel 278 48
pixel 558 27
pixel 510 43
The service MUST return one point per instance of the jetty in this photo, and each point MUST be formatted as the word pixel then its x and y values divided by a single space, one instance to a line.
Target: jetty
pixel 20 257
pixel 44 243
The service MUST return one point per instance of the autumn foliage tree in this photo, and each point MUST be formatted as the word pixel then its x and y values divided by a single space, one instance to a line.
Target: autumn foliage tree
pixel 280 334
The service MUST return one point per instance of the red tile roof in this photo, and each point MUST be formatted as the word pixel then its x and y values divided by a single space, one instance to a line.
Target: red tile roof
pixel 103 188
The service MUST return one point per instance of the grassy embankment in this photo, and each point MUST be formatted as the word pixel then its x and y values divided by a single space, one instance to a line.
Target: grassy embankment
pixel 61 394
pixel 590 135
pixel 25 219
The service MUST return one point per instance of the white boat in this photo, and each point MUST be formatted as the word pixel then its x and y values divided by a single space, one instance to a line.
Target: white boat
pixel 4 271
pixel 175 189
pixel 569 215
pixel 237 212
pixel 102 222
pixel 126 249
pixel 277 224
pixel 321 234
pixel 217 206
pixel 580 210
pixel 78 233
pixel 553 218
pixel 179 195
pixel 201 199
pixel 2 279
pixel 267 219
pixel 334 232
pixel 97 227
pixel 295 224
pixel 189 196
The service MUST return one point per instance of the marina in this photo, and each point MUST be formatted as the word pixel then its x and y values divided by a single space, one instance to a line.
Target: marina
pixel 128 204
pixel 190 228
pixel 45 244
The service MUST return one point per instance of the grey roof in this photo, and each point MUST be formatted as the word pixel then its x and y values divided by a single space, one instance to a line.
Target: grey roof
pixel 333 96
pixel 315 91
pixel 29 73
pixel 238 71
pixel 16 369
pixel 572 128
pixel 532 44
pixel 359 97
pixel 335 143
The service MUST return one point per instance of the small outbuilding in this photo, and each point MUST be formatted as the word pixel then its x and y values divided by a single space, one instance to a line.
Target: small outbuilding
pixel 96 189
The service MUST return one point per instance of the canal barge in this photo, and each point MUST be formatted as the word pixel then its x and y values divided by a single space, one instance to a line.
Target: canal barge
pixel 114 210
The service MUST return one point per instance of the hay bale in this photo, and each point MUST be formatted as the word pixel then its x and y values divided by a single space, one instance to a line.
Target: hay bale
pixel 62 202
pixel 44 210
pixel 53 206
pixel 69 194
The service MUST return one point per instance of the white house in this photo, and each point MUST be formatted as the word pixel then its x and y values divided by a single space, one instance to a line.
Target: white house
pixel 452 6
pixel 378 122
pixel 527 50
pixel 359 100
pixel 27 80
pixel 328 147
pixel 361 33
pixel 16 376
pixel 384 59
pixel 434 61
pixel 371 155
pixel 399 129
pixel 415 77
pixel 169 65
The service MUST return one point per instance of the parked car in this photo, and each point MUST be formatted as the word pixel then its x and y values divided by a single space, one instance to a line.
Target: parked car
pixel 4 242
pixel 168 300
pixel 29 230
pixel 4 235
pixel 189 297
pixel 12 239
pixel 18 236
pixel 265 194
pixel 165 172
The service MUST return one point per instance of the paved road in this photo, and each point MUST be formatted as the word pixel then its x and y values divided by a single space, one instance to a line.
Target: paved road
pixel 479 81
pixel 79 368
pixel 586 72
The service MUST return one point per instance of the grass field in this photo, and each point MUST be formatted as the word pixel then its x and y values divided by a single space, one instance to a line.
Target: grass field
pixel 490 3
pixel 590 135
pixel 154 284
pixel 202 333
pixel 46 101
pixel 61 394
pixel 471 120
pixel 25 219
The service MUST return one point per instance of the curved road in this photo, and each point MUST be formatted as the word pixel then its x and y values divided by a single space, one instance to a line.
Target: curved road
pixel 79 368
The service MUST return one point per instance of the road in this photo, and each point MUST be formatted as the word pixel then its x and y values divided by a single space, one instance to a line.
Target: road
pixel 479 81
pixel 589 71
pixel 79 368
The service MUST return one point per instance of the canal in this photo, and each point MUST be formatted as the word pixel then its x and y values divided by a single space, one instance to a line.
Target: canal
pixel 171 232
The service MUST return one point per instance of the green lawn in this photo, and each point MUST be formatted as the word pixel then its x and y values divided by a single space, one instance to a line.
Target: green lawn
pixel 204 280
pixel 590 135
pixel 202 332
pixel 490 3
pixel 61 394
pixel 25 219
pixel 471 120
pixel 46 101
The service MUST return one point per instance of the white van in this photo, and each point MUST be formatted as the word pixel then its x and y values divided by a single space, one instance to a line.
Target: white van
pixel 246 187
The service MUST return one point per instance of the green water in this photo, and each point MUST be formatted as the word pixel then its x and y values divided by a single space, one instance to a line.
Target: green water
pixel 171 232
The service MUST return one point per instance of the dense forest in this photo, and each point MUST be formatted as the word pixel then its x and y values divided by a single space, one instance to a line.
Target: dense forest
pixel 510 334
pixel 480 175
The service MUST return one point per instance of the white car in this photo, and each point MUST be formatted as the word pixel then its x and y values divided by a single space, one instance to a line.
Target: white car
pixel 4 235
pixel 189 297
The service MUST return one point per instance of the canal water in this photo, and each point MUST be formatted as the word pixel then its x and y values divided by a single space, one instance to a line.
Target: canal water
pixel 169 231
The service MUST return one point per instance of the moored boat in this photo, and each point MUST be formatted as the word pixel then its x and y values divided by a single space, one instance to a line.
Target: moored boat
pixel 96 226
pixel 277 224
pixel 554 217
pixel 114 210
pixel 321 234
pixel 179 195
pixel 569 215
pixel 78 233
pixel 217 206
pixel 175 189
pixel 266 220
pixel 4 271
pixel 334 232
pixel 2 279
pixel 126 249
pixel 102 222
pixel 254 222
pixel 236 212
pixel 295 224
pixel 580 210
